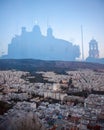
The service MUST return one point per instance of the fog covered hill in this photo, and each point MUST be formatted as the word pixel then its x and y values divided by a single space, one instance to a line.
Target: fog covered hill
pixel 37 46
pixel 39 65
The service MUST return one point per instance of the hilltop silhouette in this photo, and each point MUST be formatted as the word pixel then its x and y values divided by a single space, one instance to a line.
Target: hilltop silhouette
pixel 34 45
pixel 41 65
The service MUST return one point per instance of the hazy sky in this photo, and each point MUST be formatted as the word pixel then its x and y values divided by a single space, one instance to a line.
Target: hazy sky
pixel 64 16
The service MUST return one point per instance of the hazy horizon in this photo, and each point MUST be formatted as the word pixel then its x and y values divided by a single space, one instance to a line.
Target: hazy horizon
pixel 64 16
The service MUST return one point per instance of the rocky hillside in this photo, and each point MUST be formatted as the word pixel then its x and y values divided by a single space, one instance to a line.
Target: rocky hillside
pixel 39 65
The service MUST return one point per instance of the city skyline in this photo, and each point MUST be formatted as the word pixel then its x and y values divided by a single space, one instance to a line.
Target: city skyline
pixel 65 17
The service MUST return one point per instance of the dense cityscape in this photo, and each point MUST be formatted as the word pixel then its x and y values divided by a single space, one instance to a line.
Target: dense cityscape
pixel 37 93
pixel 70 101
pixel 51 64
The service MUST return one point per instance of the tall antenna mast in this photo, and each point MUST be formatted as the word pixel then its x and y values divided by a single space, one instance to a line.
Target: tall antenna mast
pixel 82 43
pixel 48 22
